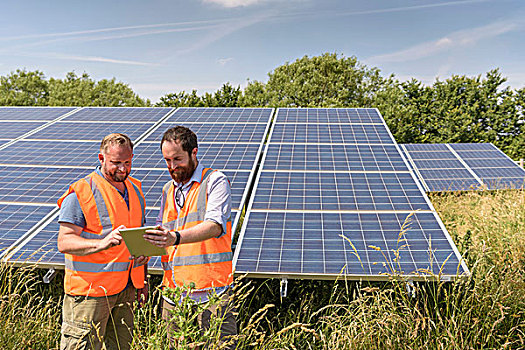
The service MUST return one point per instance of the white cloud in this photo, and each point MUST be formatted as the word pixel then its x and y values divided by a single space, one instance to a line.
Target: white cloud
pixel 224 61
pixel 453 40
pixel 234 3
pixel 86 58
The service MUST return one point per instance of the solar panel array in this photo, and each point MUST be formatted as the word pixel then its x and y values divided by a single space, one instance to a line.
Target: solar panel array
pixel 36 169
pixel 463 166
pixel 332 196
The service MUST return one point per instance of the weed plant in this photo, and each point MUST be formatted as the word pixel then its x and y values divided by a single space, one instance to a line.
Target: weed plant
pixel 485 310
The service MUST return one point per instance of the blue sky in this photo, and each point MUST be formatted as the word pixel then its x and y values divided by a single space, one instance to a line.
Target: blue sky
pixel 163 46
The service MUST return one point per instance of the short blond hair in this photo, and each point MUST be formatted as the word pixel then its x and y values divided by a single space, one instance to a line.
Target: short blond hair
pixel 115 139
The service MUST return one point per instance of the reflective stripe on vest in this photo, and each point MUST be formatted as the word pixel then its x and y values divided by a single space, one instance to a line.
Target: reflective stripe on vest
pixel 197 260
pixel 83 266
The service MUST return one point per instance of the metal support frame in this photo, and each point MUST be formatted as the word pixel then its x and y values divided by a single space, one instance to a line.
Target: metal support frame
pixel 284 287
pixel 50 275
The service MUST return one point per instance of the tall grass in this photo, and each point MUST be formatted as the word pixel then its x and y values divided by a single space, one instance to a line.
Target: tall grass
pixel 485 310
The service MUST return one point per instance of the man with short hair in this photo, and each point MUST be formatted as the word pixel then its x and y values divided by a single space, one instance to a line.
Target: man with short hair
pixel 101 280
pixel 195 218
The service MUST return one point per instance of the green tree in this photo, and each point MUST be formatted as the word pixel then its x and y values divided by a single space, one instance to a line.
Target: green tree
pixel 328 80
pixel 23 88
pixel 181 99
pixel 226 96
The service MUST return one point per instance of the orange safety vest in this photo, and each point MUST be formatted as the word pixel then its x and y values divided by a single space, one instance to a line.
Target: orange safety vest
pixel 106 272
pixel 208 263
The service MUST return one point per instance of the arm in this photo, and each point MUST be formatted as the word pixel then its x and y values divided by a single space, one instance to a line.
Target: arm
pixel 70 242
pixel 161 237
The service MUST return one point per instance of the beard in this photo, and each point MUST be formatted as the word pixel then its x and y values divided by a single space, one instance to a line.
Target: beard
pixel 116 176
pixel 183 173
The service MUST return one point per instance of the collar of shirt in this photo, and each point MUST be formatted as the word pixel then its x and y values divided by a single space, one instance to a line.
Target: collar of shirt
pixel 196 177
pixel 123 194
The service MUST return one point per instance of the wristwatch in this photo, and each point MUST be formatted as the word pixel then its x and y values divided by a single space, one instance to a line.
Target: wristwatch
pixel 177 240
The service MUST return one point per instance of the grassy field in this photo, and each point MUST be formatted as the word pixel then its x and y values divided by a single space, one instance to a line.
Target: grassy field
pixel 486 310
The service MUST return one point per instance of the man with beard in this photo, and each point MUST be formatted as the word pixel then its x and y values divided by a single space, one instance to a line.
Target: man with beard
pixel 101 279
pixel 195 228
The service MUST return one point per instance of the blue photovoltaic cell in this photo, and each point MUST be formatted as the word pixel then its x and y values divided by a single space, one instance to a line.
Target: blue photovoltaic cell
pixel 429 147
pixel 17 219
pixel 338 191
pixel 439 164
pixel 33 113
pixel 432 155
pixel 119 114
pixel 328 115
pixel 331 133
pixel 42 248
pixel 220 115
pixel 327 157
pixel 51 153
pixel 219 132
pixel 239 156
pixel 89 131
pixel 443 171
pixel 319 243
pixel 36 185
pixel 440 169
pixel 14 129
pixel 473 147
pixel 154 180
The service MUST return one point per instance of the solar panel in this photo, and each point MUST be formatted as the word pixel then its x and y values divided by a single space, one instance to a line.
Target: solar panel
pixel 36 185
pixel 33 113
pixel 220 115
pixel 331 133
pixel 14 129
pixel 41 248
pixel 119 114
pixel 338 191
pixel 332 198
pixel 238 156
pixel 328 115
pixel 89 131
pixel 18 219
pixel 218 132
pixel 358 244
pixel 469 166
pixel 51 153
pixel 334 157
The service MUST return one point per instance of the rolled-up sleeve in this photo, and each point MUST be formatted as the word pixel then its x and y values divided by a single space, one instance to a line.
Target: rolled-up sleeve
pixel 218 208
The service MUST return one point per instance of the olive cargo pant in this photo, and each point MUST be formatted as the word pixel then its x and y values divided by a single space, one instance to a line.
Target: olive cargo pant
pixel 98 322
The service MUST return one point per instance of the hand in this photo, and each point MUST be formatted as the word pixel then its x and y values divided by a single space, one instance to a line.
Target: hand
pixel 160 237
pixel 112 239
pixel 139 261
